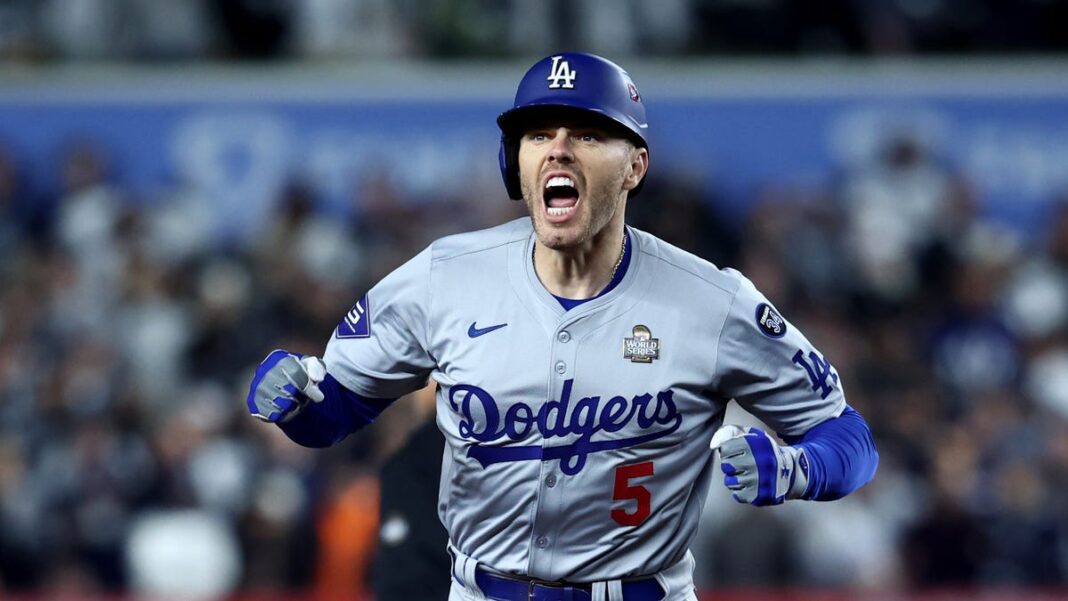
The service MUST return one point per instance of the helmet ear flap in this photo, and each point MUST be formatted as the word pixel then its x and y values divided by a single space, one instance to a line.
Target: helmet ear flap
pixel 509 161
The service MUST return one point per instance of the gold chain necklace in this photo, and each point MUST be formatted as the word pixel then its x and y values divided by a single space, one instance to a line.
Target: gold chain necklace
pixel 619 261
pixel 615 268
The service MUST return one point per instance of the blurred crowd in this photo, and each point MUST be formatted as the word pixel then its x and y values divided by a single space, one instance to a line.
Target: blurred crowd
pixel 127 341
pixel 163 30
pixel 128 338
pixel 951 335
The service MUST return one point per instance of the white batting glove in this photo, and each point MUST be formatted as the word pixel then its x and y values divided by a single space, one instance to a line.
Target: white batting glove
pixel 283 385
pixel 757 469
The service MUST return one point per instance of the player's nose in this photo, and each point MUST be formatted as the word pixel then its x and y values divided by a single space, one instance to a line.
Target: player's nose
pixel 560 150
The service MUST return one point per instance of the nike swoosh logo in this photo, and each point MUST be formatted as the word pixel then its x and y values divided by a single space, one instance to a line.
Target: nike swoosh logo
pixel 475 332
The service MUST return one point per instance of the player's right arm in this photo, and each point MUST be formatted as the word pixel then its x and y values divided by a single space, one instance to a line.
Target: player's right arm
pixel 376 354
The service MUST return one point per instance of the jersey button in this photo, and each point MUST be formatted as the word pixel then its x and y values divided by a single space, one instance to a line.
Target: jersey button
pixel 542 542
pixel 564 336
pixel 561 367
pixel 550 480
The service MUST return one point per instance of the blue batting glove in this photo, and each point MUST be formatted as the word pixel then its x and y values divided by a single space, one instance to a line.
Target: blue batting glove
pixel 757 469
pixel 283 385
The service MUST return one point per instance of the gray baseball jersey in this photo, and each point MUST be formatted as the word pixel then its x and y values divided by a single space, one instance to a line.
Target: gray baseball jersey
pixel 577 441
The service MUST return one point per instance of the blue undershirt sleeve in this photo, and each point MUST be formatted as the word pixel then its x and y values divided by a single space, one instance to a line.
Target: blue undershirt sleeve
pixel 841 455
pixel 340 413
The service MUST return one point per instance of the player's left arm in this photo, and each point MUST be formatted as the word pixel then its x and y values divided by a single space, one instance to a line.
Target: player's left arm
pixel 774 372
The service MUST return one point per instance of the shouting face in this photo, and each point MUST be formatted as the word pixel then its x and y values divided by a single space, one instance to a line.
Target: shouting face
pixel 575 180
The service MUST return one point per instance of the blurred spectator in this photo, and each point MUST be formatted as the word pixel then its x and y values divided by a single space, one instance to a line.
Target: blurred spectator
pixel 1029 543
pixel 86 229
pixel 253 29
pixel 1037 297
pixel 23 546
pixel 894 207
pixel 848 544
pixel 972 349
pixel 278 532
pixel 183 554
pixel 332 29
pixel 84 30
pixel 19 36
pixel 165 30
pixel 761 26
pixel 226 313
pixel 948 544
pixel 348 534
pixel 764 557
pixel 311 262
pixel 674 207
pixel 410 530
pixel 451 28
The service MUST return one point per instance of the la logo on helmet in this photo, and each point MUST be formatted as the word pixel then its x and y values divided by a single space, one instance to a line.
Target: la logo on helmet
pixel 561 71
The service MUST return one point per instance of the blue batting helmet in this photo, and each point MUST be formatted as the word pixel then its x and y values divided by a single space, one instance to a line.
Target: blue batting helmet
pixel 571 82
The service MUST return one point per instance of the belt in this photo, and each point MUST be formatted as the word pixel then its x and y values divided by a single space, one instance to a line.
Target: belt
pixel 505 588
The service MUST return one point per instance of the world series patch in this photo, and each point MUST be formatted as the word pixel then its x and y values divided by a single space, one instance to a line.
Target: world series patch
pixel 357 322
pixel 771 323
pixel 642 347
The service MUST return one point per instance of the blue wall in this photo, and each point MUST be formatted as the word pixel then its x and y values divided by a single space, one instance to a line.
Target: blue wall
pixel 1013 148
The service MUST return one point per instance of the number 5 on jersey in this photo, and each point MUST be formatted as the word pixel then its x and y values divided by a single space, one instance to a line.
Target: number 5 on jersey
pixel 625 491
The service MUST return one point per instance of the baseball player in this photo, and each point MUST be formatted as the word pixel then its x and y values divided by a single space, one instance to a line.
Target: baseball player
pixel 583 368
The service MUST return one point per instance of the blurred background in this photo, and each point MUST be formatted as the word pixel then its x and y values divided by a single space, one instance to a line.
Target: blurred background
pixel 187 185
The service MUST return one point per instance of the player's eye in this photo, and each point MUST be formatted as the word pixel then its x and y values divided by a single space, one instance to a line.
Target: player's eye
pixel 588 137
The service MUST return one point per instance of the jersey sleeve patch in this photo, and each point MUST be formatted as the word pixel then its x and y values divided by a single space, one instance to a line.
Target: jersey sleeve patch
pixel 357 322
pixel 770 322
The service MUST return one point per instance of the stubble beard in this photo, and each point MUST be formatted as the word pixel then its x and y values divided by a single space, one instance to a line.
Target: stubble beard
pixel 592 219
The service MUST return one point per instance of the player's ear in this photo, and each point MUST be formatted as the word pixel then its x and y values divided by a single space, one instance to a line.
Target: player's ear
pixel 639 165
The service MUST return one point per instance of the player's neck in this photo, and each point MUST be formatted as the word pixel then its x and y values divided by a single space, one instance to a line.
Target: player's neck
pixel 581 272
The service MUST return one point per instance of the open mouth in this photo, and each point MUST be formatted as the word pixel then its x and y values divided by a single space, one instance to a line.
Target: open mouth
pixel 561 196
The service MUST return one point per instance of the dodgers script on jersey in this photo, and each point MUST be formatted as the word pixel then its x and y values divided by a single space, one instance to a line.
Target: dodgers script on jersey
pixel 577 441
